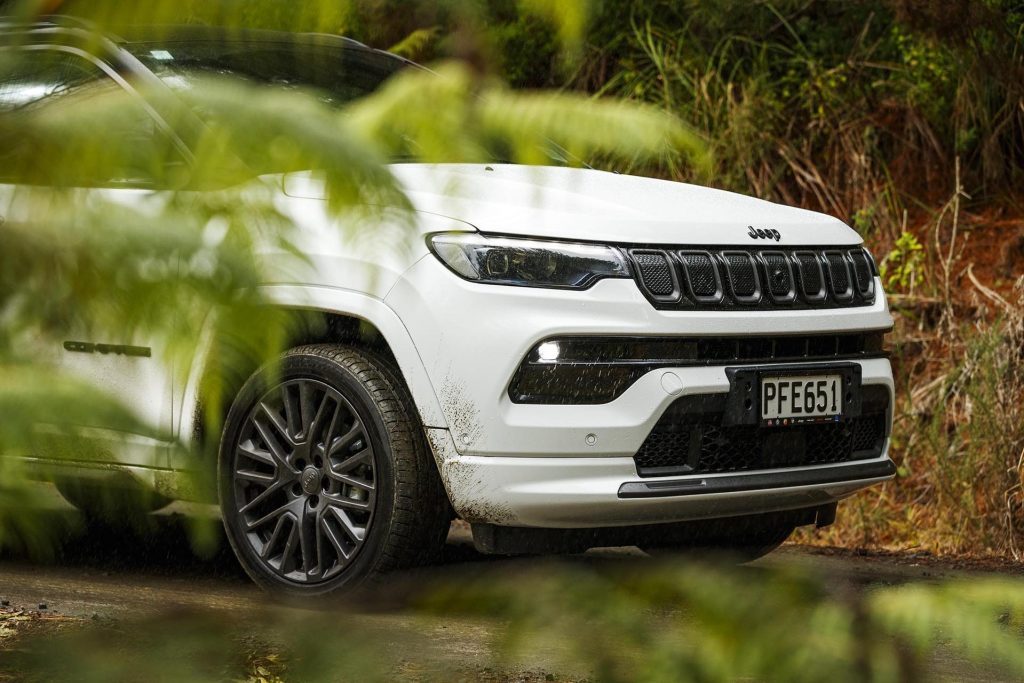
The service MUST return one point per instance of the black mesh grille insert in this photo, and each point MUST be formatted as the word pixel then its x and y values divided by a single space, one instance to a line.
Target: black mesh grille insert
pixel 691 439
pixel 701 274
pixel 866 432
pixel 780 274
pixel 862 272
pixel 655 272
pixel 809 267
pixel 742 274
pixel 839 275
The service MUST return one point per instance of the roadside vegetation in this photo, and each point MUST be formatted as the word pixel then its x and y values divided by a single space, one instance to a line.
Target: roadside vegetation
pixel 903 117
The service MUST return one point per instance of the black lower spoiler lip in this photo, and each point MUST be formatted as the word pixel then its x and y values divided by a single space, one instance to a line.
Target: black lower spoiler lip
pixel 836 474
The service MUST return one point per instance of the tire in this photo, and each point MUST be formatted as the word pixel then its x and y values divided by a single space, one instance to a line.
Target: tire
pixel 325 478
pixel 116 500
pixel 746 546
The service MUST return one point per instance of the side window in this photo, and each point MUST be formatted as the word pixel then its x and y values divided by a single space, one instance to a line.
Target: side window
pixel 65 121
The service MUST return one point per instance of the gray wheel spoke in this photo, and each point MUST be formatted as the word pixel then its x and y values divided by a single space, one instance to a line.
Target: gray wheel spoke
pixel 307 542
pixel 354 532
pixel 255 477
pixel 306 401
pixel 331 429
pixel 328 532
pixel 249 450
pixel 349 503
pixel 276 451
pixel 345 440
pixel 292 410
pixel 275 420
pixel 274 539
pixel 322 414
pixel 361 458
pixel 351 481
pixel 289 547
pixel 273 514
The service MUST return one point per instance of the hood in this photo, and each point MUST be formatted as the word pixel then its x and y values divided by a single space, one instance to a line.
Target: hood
pixel 583 204
pixel 589 205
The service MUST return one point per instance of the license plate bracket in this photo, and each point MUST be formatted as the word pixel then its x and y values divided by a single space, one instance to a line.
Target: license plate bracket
pixel 743 403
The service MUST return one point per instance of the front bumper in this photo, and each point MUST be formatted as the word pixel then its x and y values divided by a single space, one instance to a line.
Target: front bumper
pixel 573 492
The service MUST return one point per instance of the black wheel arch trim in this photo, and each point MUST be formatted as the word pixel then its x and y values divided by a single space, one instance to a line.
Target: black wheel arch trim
pixel 836 474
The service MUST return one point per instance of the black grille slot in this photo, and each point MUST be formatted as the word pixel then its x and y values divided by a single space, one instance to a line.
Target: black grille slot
pixel 655 272
pixel 667 449
pixel 701 275
pixel 779 275
pixel 691 439
pixel 742 275
pixel 839 275
pixel 862 272
pixel 812 281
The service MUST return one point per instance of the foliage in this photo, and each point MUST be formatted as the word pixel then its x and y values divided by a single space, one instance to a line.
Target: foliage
pixel 901 267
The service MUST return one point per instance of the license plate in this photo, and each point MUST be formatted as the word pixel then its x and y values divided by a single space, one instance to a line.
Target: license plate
pixel 797 399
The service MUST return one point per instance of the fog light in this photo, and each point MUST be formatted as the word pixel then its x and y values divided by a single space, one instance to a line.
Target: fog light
pixel 548 351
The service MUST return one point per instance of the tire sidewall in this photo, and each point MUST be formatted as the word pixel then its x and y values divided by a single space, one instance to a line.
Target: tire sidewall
pixel 297 365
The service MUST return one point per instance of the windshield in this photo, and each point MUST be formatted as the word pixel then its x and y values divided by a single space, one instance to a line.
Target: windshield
pixel 340 73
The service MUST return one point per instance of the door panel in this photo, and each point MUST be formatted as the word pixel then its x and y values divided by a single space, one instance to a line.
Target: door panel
pixel 122 363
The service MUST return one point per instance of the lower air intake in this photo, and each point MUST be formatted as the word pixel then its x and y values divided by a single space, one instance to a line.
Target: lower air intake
pixel 691 439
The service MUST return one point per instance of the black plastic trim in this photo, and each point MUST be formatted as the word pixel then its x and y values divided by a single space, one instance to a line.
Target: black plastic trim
pixel 602 375
pixel 834 474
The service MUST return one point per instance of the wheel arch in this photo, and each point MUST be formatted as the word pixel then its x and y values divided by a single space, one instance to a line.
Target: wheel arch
pixel 326 315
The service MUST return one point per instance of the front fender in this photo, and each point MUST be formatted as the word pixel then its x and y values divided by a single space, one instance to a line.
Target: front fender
pixel 341 302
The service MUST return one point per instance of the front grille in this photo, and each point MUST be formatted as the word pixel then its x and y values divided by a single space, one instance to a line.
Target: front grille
pixel 692 439
pixel 751 278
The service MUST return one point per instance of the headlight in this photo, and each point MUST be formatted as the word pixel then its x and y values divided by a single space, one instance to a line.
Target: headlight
pixel 527 263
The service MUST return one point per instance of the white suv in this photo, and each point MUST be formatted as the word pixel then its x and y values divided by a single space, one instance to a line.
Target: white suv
pixel 566 358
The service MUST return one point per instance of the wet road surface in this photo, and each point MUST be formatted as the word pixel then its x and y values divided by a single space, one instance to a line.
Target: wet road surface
pixel 99 572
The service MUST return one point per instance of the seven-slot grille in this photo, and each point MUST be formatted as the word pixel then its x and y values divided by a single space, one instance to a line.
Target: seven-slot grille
pixel 761 278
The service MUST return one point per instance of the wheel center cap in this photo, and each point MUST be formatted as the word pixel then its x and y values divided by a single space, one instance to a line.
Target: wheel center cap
pixel 310 480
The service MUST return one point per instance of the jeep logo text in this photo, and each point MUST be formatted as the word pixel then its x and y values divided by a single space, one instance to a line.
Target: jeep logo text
pixel 759 234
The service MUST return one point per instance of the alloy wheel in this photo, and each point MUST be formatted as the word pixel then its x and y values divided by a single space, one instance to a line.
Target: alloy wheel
pixel 304 481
